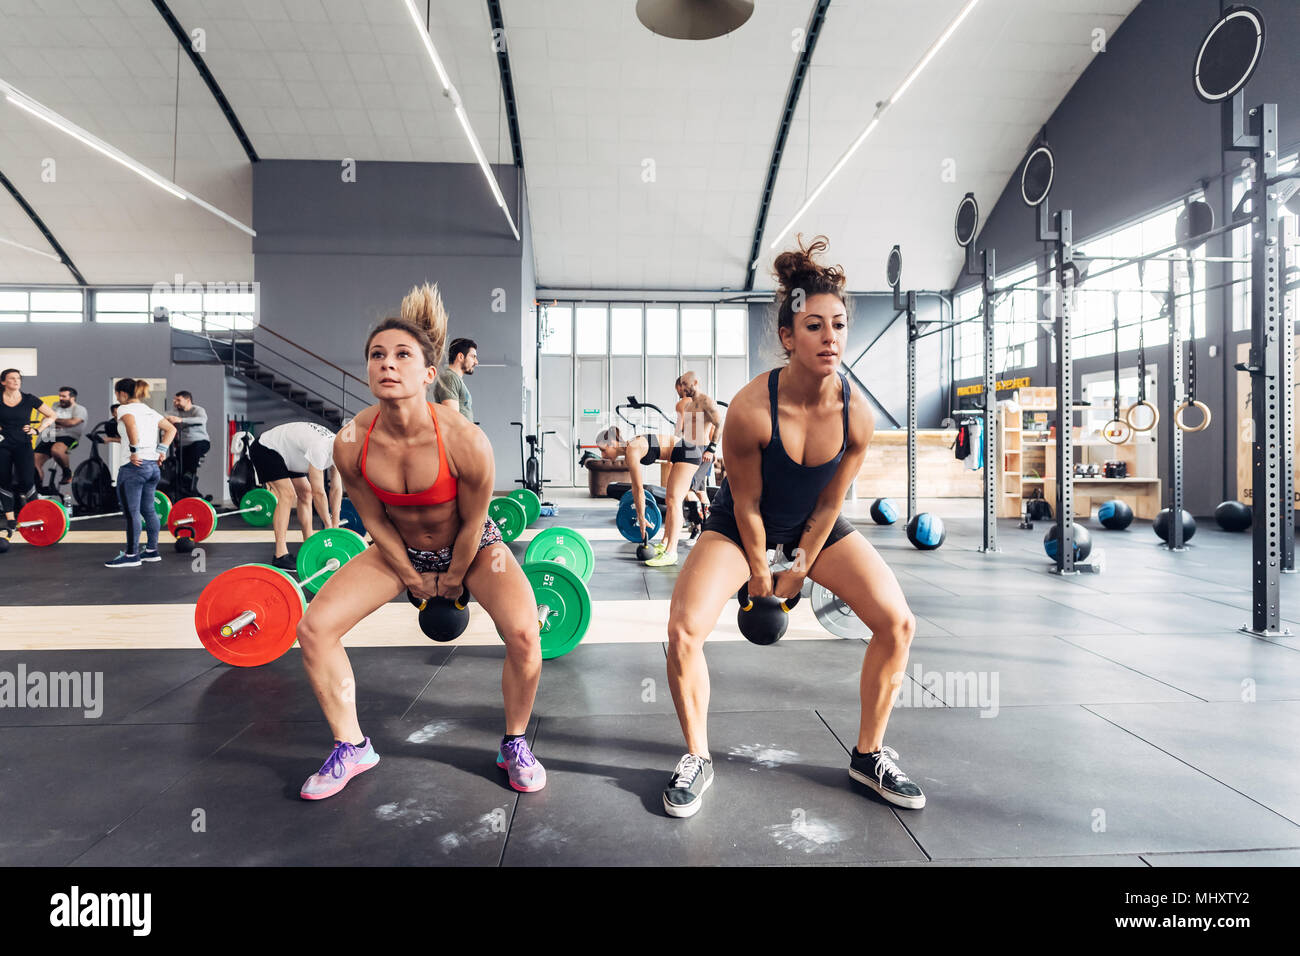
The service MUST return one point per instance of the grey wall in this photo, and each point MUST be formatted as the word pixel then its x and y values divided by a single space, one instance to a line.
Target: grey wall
pixel 89 356
pixel 1130 137
pixel 335 257
pixel 883 369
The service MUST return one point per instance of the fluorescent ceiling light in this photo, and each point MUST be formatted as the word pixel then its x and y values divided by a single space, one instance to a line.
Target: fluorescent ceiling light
pixel 881 110
pixel 449 91
pixel 64 125
pixel 38 252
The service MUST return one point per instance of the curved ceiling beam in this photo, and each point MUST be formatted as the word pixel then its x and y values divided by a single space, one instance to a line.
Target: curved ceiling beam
pixel 40 224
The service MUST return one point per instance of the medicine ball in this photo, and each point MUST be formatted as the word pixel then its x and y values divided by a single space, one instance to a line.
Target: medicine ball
pixel 1115 515
pixel 884 511
pixel 1233 516
pixel 926 531
pixel 1162 527
pixel 1082 542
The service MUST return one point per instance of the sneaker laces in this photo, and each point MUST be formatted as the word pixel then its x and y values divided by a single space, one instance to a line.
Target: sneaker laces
pixel 334 764
pixel 519 749
pixel 688 768
pixel 885 763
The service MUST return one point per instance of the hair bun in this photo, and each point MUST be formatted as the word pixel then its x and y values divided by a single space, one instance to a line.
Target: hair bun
pixel 799 268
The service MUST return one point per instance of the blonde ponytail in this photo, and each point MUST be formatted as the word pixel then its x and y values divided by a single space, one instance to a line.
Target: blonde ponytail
pixel 423 316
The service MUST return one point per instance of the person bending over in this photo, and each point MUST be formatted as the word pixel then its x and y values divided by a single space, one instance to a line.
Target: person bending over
pixel 641 450
pixel 795 438
pixel 421 481
pixel 291 460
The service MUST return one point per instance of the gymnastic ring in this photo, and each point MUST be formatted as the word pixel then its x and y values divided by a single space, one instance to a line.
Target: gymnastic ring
pixel 1125 430
pixel 1155 416
pixel 1205 411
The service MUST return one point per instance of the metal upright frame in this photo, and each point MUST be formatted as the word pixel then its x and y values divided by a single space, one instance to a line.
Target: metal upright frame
pixel 1174 391
pixel 1062 237
pixel 907 302
pixel 985 268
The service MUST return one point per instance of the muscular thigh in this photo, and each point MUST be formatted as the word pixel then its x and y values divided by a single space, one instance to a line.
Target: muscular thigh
pixel 499 585
pixel 713 572
pixel 856 572
pixel 353 593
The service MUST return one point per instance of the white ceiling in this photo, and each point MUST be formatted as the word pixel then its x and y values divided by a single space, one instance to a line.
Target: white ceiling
pixel 598 96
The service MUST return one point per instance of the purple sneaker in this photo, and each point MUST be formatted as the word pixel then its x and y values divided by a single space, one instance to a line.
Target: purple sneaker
pixel 526 774
pixel 344 763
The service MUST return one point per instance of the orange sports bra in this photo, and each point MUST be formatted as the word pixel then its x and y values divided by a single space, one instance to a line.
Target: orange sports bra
pixel 441 491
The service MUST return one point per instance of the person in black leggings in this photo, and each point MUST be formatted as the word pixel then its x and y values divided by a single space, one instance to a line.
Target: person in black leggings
pixel 17 457
pixel 795 438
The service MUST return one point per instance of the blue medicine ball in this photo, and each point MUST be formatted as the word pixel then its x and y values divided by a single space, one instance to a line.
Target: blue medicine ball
pixel 1082 542
pixel 884 511
pixel 1115 515
pixel 926 531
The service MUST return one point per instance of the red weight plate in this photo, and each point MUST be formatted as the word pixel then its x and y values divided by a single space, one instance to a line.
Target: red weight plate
pixel 204 519
pixel 274 598
pixel 53 526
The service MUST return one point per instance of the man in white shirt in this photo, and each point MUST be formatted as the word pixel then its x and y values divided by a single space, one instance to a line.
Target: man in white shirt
pixel 291 460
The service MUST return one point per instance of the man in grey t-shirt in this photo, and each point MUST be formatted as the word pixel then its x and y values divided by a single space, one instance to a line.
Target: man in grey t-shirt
pixel 449 388
pixel 191 423
pixel 69 424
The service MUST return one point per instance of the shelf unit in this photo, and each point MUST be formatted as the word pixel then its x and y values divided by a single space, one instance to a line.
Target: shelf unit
pixel 1029 462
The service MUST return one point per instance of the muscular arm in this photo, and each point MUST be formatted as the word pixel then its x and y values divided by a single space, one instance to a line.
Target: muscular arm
pixel 742 444
pixel 475 470
pixel 862 426
pixel 48 419
pixel 632 457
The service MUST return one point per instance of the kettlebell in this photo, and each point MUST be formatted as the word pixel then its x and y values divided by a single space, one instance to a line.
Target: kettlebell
pixel 645 550
pixel 763 620
pixel 442 619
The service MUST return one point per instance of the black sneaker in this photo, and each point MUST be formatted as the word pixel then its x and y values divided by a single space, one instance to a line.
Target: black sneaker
pixel 285 562
pixel 879 772
pixel 150 554
pixel 685 791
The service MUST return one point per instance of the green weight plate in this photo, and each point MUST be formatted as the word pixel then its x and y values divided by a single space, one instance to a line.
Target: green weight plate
pixel 340 543
pixel 532 504
pixel 563 546
pixel 261 507
pixel 568 604
pixel 509 516
pixel 163 505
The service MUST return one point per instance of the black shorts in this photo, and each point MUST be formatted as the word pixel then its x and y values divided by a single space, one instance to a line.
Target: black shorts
pixel 724 522
pixel 47 447
pixel 270 465
pixel 682 451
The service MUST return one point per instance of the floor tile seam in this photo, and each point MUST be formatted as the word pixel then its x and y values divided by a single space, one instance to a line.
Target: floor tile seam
pixel 140 809
pixel 1190 766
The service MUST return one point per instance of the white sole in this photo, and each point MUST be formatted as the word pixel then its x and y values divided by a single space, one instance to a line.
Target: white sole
pixel 688 811
pixel 908 803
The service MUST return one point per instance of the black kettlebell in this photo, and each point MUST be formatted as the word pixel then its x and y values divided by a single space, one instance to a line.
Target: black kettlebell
pixel 184 544
pixel 645 550
pixel 442 619
pixel 763 620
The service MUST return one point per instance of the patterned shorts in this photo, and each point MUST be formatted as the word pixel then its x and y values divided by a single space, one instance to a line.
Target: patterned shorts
pixel 435 562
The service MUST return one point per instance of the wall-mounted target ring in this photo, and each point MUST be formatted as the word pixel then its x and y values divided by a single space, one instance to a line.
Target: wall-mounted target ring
pixel 1036 175
pixel 1229 54
pixel 967 221
pixel 894 268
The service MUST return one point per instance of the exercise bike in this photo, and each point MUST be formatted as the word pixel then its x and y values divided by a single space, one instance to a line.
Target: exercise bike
pixel 531 467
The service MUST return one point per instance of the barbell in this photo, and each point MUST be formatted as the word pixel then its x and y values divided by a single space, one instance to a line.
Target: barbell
pixel 44 521
pixel 194 519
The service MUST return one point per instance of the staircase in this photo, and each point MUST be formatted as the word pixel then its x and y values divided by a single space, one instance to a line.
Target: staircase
pixel 261 356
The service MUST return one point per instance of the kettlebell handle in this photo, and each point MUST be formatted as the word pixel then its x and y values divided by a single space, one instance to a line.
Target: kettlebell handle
pixel 746 603
pixel 460 603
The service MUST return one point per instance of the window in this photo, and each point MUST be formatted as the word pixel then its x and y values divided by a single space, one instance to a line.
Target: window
pixel 969 341
pixel 733 329
pixel 697 330
pixel 661 329
pixel 56 306
pixel 122 307
pixel 13 306
pixel 625 330
pixel 557 329
pixel 1239 294
pixel 223 311
pixel 590 329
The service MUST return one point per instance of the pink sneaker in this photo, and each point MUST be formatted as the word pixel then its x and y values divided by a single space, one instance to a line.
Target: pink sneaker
pixel 344 763
pixel 526 774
